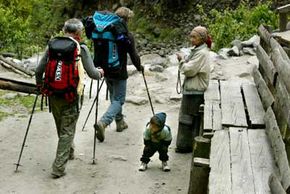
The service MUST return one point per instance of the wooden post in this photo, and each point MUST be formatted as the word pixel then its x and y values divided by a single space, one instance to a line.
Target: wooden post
pixel 199 166
pixel 275 185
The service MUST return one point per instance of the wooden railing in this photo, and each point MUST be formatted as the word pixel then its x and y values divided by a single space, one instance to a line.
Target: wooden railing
pixel 283 14
pixel 273 84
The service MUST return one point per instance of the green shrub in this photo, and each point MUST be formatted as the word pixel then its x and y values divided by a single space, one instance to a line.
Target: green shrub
pixel 241 23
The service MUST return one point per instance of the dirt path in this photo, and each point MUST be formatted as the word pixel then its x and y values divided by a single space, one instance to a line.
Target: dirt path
pixel 116 169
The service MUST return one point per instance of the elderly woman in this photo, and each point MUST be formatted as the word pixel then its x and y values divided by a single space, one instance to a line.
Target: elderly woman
pixel 196 70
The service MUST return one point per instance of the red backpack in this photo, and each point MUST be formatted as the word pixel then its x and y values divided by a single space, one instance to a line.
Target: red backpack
pixel 61 72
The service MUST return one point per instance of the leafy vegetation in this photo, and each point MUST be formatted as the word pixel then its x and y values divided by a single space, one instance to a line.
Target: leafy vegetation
pixel 27 25
pixel 241 23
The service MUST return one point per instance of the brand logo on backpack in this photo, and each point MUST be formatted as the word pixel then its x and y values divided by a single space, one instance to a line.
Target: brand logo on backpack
pixel 105 29
pixel 61 73
pixel 58 71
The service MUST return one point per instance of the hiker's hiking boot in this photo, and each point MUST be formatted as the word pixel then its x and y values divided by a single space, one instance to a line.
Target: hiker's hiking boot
pixel 143 166
pixel 71 154
pixel 121 125
pixel 100 131
pixel 56 175
pixel 165 167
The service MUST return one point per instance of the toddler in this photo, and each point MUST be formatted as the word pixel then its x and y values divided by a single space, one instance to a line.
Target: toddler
pixel 157 137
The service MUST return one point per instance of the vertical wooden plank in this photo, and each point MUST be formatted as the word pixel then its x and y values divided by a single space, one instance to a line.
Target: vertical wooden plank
pixel 263 163
pixel 207 116
pixel 232 105
pixel 266 95
pixel 278 146
pixel 254 105
pixel 217 116
pixel 220 170
pixel 212 92
pixel 212 107
pixel 266 65
pixel 242 174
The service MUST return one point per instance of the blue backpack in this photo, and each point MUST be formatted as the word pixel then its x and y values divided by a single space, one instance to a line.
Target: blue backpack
pixel 106 29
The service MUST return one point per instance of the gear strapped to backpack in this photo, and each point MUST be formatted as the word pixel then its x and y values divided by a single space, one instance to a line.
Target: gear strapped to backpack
pixel 106 29
pixel 62 72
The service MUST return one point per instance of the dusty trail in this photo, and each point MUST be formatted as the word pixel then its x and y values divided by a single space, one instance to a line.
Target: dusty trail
pixel 116 169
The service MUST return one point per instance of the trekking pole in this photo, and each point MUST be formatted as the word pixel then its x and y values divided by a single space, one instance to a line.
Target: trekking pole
pixel 91 86
pixel 27 129
pixel 148 93
pixel 97 96
pixel 96 120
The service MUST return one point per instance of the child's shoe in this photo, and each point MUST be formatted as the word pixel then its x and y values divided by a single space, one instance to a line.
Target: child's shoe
pixel 143 166
pixel 165 167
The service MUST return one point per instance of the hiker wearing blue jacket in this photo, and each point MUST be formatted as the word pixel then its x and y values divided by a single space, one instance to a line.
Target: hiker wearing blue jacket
pixel 117 80
pixel 157 138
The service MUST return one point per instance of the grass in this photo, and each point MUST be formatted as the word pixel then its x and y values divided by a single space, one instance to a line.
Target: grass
pixel 17 104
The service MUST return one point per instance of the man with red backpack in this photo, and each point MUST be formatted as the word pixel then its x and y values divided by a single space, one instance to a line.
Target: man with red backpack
pixel 62 67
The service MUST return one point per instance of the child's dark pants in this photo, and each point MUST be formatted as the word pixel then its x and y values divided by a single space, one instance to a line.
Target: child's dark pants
pixel 149 151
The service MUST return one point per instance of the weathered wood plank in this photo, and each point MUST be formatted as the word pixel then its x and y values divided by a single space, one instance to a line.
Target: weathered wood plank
pixel 265 36
pixel 217 116
pixel 275 45
pixel 220 173
pixel 254 105
pixel 232 105
pixel 275 185
pixel 207 116
pixel 212 116
pixel 263 163
pixel 212 92
pixel 242 174
pixel 265 94
pixel 266 65
pixel 283 98
pixel 278 146
pixel 284 8
pixel 282 67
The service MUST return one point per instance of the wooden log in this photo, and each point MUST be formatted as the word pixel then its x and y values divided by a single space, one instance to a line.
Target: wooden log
pixel 8 84
pixel 265 94
pixel 5 65
pixel 220 166
pixel 201 147
pixel 199 166
pixel 208 135
pixel 282 67
pixel 242 174
pixel 278 146
pixel 283 99
pixel 275 185
pixel 20 68
pixel 265 37
pixel 254 106
pixel 275 45
pixel 232 105
pixel 266 65
pixel 263 163
pixel 283 13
